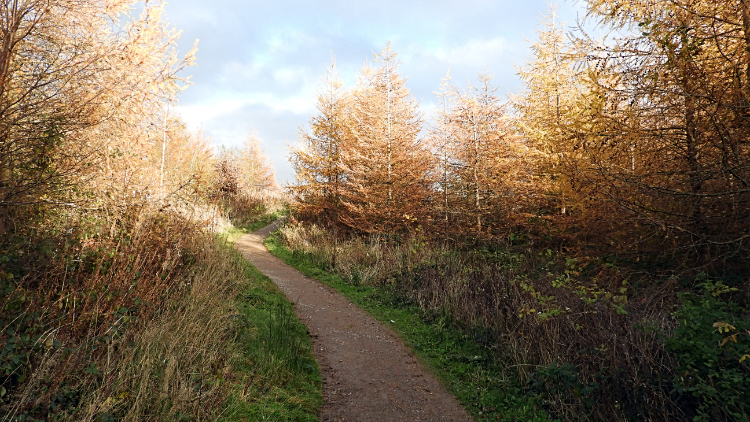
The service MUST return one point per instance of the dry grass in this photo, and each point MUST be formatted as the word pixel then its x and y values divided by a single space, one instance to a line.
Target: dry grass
pixel 177 363
pixel 535 310
pixel 133 322
pixel 148 317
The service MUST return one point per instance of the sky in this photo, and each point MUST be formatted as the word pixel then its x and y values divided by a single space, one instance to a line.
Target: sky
pixel 260 63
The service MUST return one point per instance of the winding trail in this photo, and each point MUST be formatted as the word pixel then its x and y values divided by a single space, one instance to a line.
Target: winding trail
pixel 369 375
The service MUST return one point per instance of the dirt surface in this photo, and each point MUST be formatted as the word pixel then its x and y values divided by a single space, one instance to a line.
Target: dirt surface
pixel 369 375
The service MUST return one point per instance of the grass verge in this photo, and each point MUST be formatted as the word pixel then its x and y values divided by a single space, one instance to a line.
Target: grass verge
pixel 276 377
pixel 457 358
pixel 233 233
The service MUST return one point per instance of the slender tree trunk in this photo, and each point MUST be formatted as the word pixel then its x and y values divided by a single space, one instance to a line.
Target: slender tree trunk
pixel 9 42
pixel 9 35
pixel 332 178
pixel 558 119
pixel 693 162
pixel 388 134
pixel 692 138
pixel 163 151
pixel 745 5
pixel 445 180
pixel 477 197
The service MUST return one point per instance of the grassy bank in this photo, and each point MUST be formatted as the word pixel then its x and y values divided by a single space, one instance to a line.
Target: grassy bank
pixel 276 376
pixel 154 319
pixel 456 356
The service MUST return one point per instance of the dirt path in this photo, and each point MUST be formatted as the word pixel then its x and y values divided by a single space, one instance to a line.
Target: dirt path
pixel 369 375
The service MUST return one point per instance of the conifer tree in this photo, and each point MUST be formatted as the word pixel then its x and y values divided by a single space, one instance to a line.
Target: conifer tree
pixel 317 158
pixel 442 141
pixel 185 161
pixel 387 167
pixel 666 125
pixel 78 82
pixel 547 105
pixel 257 173
pixel 481 137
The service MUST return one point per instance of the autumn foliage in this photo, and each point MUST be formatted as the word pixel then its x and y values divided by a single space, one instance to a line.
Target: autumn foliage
pixel 596 223
pixel 647 134
pixel 635 145
pixel 594 226
pixel 364 166
pixel 110 276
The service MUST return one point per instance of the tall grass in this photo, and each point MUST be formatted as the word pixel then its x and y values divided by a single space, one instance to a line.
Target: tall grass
pixel 143 319
pixel 584 336
pixel 280 379
pixel 130 322
pixel 177 363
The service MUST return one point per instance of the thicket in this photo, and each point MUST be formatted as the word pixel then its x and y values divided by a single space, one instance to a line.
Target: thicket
pixel 117 300
pixel 595 226
pixel 589 340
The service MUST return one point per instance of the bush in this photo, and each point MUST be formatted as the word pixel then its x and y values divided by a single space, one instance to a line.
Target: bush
pixel 711 345
pixel 561 382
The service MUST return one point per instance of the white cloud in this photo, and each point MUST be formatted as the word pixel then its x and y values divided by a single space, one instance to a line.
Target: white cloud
pixel 475 53
pixel 289 76
pixel 237 71
pixel 196 115
pixel 289 41
pixel 299 104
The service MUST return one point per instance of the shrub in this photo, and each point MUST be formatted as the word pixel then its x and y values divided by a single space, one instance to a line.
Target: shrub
pixel 711 345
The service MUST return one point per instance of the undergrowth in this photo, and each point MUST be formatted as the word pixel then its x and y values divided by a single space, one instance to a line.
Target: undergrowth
pixel 457 356
pixel 582 338
pixel 145 317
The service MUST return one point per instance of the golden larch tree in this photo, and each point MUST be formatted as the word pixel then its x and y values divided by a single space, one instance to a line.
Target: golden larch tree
pixel 78 82
pixel 546 107
pixel 317 157
pixel 257 172
pixel 441 139
pixel 481 136
pixel 386 164
pixel 666 128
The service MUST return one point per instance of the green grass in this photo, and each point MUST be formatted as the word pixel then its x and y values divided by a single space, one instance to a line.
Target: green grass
pixel 263 221
pixel 465 368
pixel 233 233
pixel 276 377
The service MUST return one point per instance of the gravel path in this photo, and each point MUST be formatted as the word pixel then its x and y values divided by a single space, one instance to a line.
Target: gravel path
pixel 369 375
